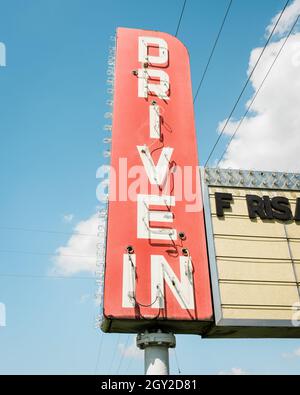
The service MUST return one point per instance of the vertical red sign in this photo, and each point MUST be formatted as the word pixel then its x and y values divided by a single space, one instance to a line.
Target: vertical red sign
pixel 156 270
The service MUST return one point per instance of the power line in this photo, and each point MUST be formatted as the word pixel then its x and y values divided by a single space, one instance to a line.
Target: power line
pixel 130 361
pixel 12 228
pixel 122 355
pixel 128 365
pixel 246 84
pixel 46 254
pixel 177 362
pixel 41 276
pixel 99 353
pixel 259 89
pixel 213 50
pixel 114 353
pixel 181 15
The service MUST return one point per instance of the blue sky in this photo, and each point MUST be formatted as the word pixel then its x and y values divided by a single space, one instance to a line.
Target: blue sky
pixel 52 101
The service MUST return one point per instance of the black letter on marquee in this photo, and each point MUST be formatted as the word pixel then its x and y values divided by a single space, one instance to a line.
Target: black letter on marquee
pixel 297 215
pixel 256 207
pixel 282 206
pixel 222 201
pixel 268 207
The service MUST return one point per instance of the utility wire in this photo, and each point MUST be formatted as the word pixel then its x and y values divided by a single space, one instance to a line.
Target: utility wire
pixel 113 355
pixel 181 15
pixel 259 89
pixel 41 276
pixel 45 253
pixel 247 82
pixel 99 353
pixel 47 231
pixel 122 355
pixel 128 365
pixel 213 50
pixel 130 361
pixel 177 362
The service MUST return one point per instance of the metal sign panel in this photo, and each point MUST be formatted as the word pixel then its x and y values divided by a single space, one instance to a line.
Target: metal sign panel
pixel 157 272
pixel 252 221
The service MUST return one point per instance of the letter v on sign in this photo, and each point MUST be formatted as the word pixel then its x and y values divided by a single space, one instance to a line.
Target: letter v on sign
pixel 156 174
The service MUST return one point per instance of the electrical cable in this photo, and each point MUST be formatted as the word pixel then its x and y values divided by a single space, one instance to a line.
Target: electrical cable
pixel 213 50
pixel 46 231
pixel 246 83
pixel 122 355
pixel 181 15
pixel 46 254
pixel 177 362
pixel 128 365
pixel 114 353
pixel 145 305
pixel 99 353
pixel 41 276
pixel 258 90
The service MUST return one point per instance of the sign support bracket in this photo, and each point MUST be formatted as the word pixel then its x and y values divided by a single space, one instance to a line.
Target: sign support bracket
pixel 156 346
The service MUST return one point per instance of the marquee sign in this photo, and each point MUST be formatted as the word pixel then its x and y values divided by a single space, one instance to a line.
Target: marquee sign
pixel 157 270
pixel 253 232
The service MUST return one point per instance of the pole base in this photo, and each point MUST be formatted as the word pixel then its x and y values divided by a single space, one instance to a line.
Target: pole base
pixel 156 346
pixel 158 338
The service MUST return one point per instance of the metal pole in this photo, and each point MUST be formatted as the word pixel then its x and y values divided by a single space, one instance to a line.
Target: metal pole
pixel 156 345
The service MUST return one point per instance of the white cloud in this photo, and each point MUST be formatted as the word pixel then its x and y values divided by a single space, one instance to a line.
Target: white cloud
pixel 297 352
pixel 68 218
pixel 287 19
pixel 293 354
pixel 84 298
pixel 2 315
pixel 233 372
pixel 131 351
pixel 79 254
pixel 269 138
pixel 2 55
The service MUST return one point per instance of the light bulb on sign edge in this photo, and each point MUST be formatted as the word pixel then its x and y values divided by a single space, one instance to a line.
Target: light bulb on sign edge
pixel 106 154
pixel 108 115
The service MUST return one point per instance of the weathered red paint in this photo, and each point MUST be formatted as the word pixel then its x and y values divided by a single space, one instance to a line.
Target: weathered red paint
pixel 130 129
